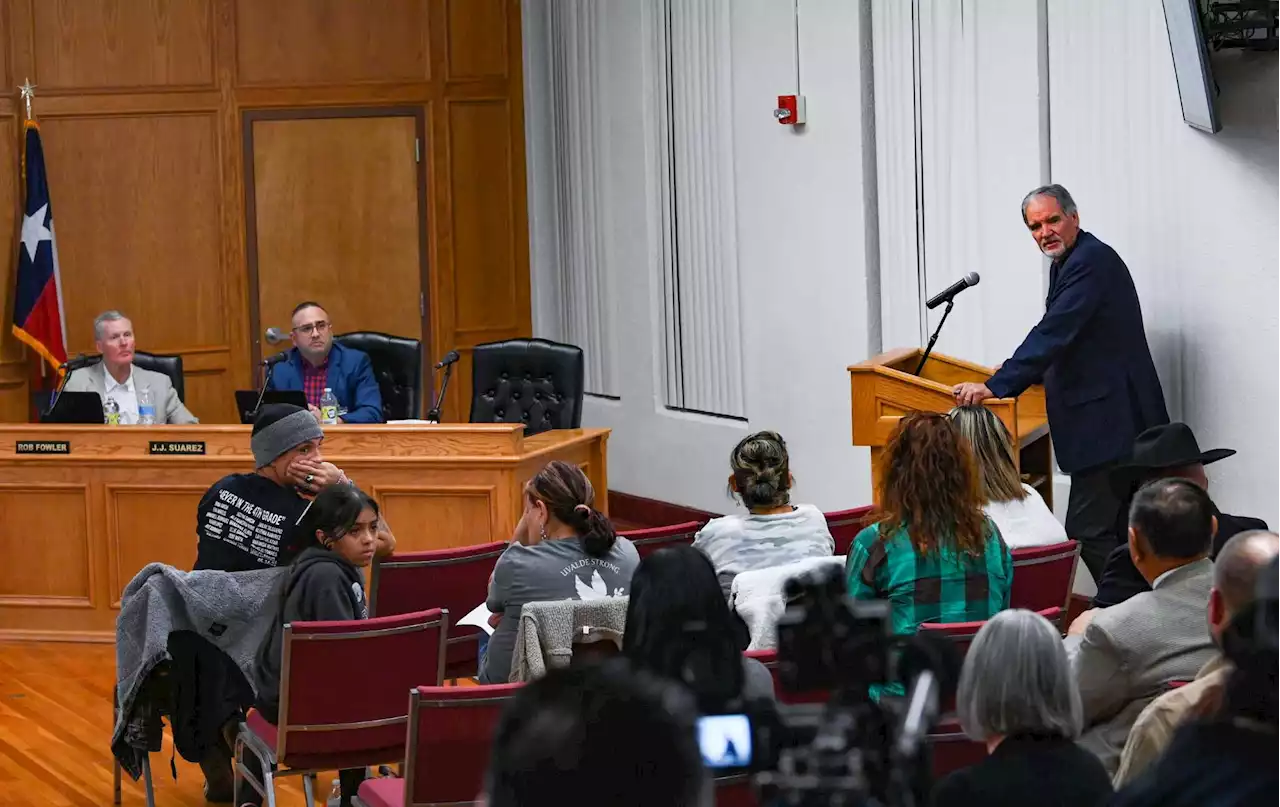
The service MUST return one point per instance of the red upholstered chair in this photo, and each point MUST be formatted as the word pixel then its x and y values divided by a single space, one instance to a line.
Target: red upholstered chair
pixel 952 749
pixel 456 580
pixel 342 697
pixel 846 524
pixel 735 791
pixel 450 732
pixel 649 541
pixel 963 633
pixel 1042 576
pixel 769 658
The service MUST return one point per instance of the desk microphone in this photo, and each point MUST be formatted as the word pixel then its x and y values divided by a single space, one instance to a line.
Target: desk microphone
pixel 76 363
pixel 951 291
pixel 449 358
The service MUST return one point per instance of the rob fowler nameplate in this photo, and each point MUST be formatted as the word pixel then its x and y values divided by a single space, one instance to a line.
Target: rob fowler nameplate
pixel 176 447
pixel 42 447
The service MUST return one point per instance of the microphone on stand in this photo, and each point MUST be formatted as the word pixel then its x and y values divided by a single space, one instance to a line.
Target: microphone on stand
pixel 70 366
pixel 947 296
pixel 267 364
pixel 450 358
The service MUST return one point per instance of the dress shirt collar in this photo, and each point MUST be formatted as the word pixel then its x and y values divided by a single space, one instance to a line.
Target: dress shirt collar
pixel 112 385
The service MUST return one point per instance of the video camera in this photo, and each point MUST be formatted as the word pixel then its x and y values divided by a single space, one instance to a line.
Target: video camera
pixel 845 748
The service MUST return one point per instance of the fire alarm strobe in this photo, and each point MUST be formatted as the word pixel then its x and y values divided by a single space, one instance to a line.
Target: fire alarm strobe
pixel 790 109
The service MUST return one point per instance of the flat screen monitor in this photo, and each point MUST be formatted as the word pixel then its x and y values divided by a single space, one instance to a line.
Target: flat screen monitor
pixel 1191 64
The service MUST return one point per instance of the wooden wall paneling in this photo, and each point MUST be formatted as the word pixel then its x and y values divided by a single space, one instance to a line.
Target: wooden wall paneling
pixel 439 517
pixel 148 523
pixel 335 198
pixel 14 369
pixel 301 42
pixel 110 44
pixel 56 516
pixel 476 39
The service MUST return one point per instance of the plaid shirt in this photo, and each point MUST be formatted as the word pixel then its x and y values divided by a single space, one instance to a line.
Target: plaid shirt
pixel 941 587
pixel 314 380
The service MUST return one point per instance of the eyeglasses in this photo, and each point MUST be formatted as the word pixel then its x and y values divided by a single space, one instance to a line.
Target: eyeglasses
pixel 312 328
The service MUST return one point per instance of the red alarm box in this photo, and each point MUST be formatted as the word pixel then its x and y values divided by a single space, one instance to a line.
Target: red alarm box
pixel 790 109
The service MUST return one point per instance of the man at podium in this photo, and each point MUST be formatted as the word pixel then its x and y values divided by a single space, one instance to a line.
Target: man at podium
pixel 1090 352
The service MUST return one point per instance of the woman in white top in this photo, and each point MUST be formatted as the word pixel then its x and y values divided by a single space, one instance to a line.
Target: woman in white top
pixel 774 532
pixel 1017 509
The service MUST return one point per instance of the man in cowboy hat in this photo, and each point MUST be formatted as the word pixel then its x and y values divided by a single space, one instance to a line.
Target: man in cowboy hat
pixel 1164 451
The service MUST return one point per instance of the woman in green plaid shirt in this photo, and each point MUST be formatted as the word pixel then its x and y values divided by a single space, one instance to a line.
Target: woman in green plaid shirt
pixel 932 553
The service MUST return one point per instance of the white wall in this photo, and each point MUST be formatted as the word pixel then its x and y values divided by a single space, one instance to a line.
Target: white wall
pixel 1194 216
pixel 801 254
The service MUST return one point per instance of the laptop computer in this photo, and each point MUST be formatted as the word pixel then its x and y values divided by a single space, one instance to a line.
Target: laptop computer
pixel 247 399
pixel 75 407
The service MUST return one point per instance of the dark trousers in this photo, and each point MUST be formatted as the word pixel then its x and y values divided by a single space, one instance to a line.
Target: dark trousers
pixel 1092 510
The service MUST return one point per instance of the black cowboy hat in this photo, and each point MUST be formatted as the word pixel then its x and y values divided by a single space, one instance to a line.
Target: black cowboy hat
pixel 1171 445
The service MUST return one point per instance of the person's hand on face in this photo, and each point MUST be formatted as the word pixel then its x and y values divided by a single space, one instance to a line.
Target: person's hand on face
pixel 309 473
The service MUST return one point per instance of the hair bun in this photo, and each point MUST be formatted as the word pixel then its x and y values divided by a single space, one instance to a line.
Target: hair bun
pixel 582 509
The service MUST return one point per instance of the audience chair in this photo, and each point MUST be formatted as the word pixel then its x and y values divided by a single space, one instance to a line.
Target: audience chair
pixel 952 749
pixel 531 381
pixel 649 541
pixel 455 579
pixel 845 525
pixel 168 363
pixel 342 697
pixel 769 658
pixel 397 366
pixel 450 732
pixel 1042 576
pixel 735 791
pixel 963 633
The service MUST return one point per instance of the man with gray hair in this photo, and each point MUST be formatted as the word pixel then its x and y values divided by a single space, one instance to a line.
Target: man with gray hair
pixel 1235 579
pixel 1090 352
pixel 115 378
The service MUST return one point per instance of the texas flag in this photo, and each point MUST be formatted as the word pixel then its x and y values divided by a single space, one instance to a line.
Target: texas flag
pixel 37 307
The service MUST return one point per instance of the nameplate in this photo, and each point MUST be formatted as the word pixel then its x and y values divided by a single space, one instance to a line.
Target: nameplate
pixel 175 447
pixel 42 447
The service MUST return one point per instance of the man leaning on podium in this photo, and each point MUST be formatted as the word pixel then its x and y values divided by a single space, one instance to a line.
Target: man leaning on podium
pixel 1090 351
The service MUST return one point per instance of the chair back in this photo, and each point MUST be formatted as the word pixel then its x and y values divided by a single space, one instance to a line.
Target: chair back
pixel 845 525
pixel 532 381
pixel 168 363
pixel 450 733
pixel 397 366
pixel 1042 576
pixel 951 749
pixel 963 633
pixel 456 580
pixel 649 541
pixel 769 658
pixel 735 791
pixel 343 685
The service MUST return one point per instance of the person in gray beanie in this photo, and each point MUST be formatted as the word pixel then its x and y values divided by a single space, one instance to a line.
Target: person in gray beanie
pixel 250 521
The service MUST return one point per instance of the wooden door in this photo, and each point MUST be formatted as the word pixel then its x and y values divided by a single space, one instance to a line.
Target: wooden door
pixel 335 215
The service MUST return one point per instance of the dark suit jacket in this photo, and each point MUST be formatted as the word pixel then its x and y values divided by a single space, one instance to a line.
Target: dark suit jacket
pixel 1210 764
pixel 1120 578
pixel 1027 771
pixel 350 377
pixel 1090 352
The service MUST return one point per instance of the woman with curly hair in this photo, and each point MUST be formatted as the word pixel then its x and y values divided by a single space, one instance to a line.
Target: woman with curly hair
pixel 932 553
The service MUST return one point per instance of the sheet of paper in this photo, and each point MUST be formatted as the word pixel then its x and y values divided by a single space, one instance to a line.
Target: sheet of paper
pixel 478 618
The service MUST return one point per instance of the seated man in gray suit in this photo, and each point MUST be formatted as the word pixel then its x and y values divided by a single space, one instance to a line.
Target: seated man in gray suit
pixel 1125 656
pixel 116 378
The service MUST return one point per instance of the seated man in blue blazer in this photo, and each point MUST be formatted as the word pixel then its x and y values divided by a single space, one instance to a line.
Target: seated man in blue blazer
pixel 316 362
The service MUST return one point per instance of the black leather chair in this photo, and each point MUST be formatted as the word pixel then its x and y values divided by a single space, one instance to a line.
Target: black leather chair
pixel 531 381
pixel 167 363
pixel 397 365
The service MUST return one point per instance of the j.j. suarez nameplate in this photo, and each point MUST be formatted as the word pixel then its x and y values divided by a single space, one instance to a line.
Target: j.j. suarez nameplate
pixel 176 447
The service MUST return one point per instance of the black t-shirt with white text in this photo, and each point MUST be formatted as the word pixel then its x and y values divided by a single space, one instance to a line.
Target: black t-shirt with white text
pixel 246 522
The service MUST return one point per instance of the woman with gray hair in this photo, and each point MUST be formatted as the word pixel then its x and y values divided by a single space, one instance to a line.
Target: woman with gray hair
pixel 1015 507
pixel 1018 696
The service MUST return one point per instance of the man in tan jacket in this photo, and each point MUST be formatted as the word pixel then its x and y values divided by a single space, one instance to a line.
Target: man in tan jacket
pixel 1234 577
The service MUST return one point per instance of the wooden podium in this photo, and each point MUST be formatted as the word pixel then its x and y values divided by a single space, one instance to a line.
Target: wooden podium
pixel 885 387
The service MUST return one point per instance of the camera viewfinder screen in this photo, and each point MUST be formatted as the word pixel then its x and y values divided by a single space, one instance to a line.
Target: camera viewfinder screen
pixel 725 741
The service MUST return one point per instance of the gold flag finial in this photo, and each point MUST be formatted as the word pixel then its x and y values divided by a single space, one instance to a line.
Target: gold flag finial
pixel 28 92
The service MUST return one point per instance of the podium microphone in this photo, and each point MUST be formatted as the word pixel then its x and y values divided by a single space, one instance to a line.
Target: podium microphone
pixel 951 291
pixel 947 296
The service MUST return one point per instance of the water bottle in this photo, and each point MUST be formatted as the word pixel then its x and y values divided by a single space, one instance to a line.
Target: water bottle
pixel 146 408
pixel 110 412
pixel 328 407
